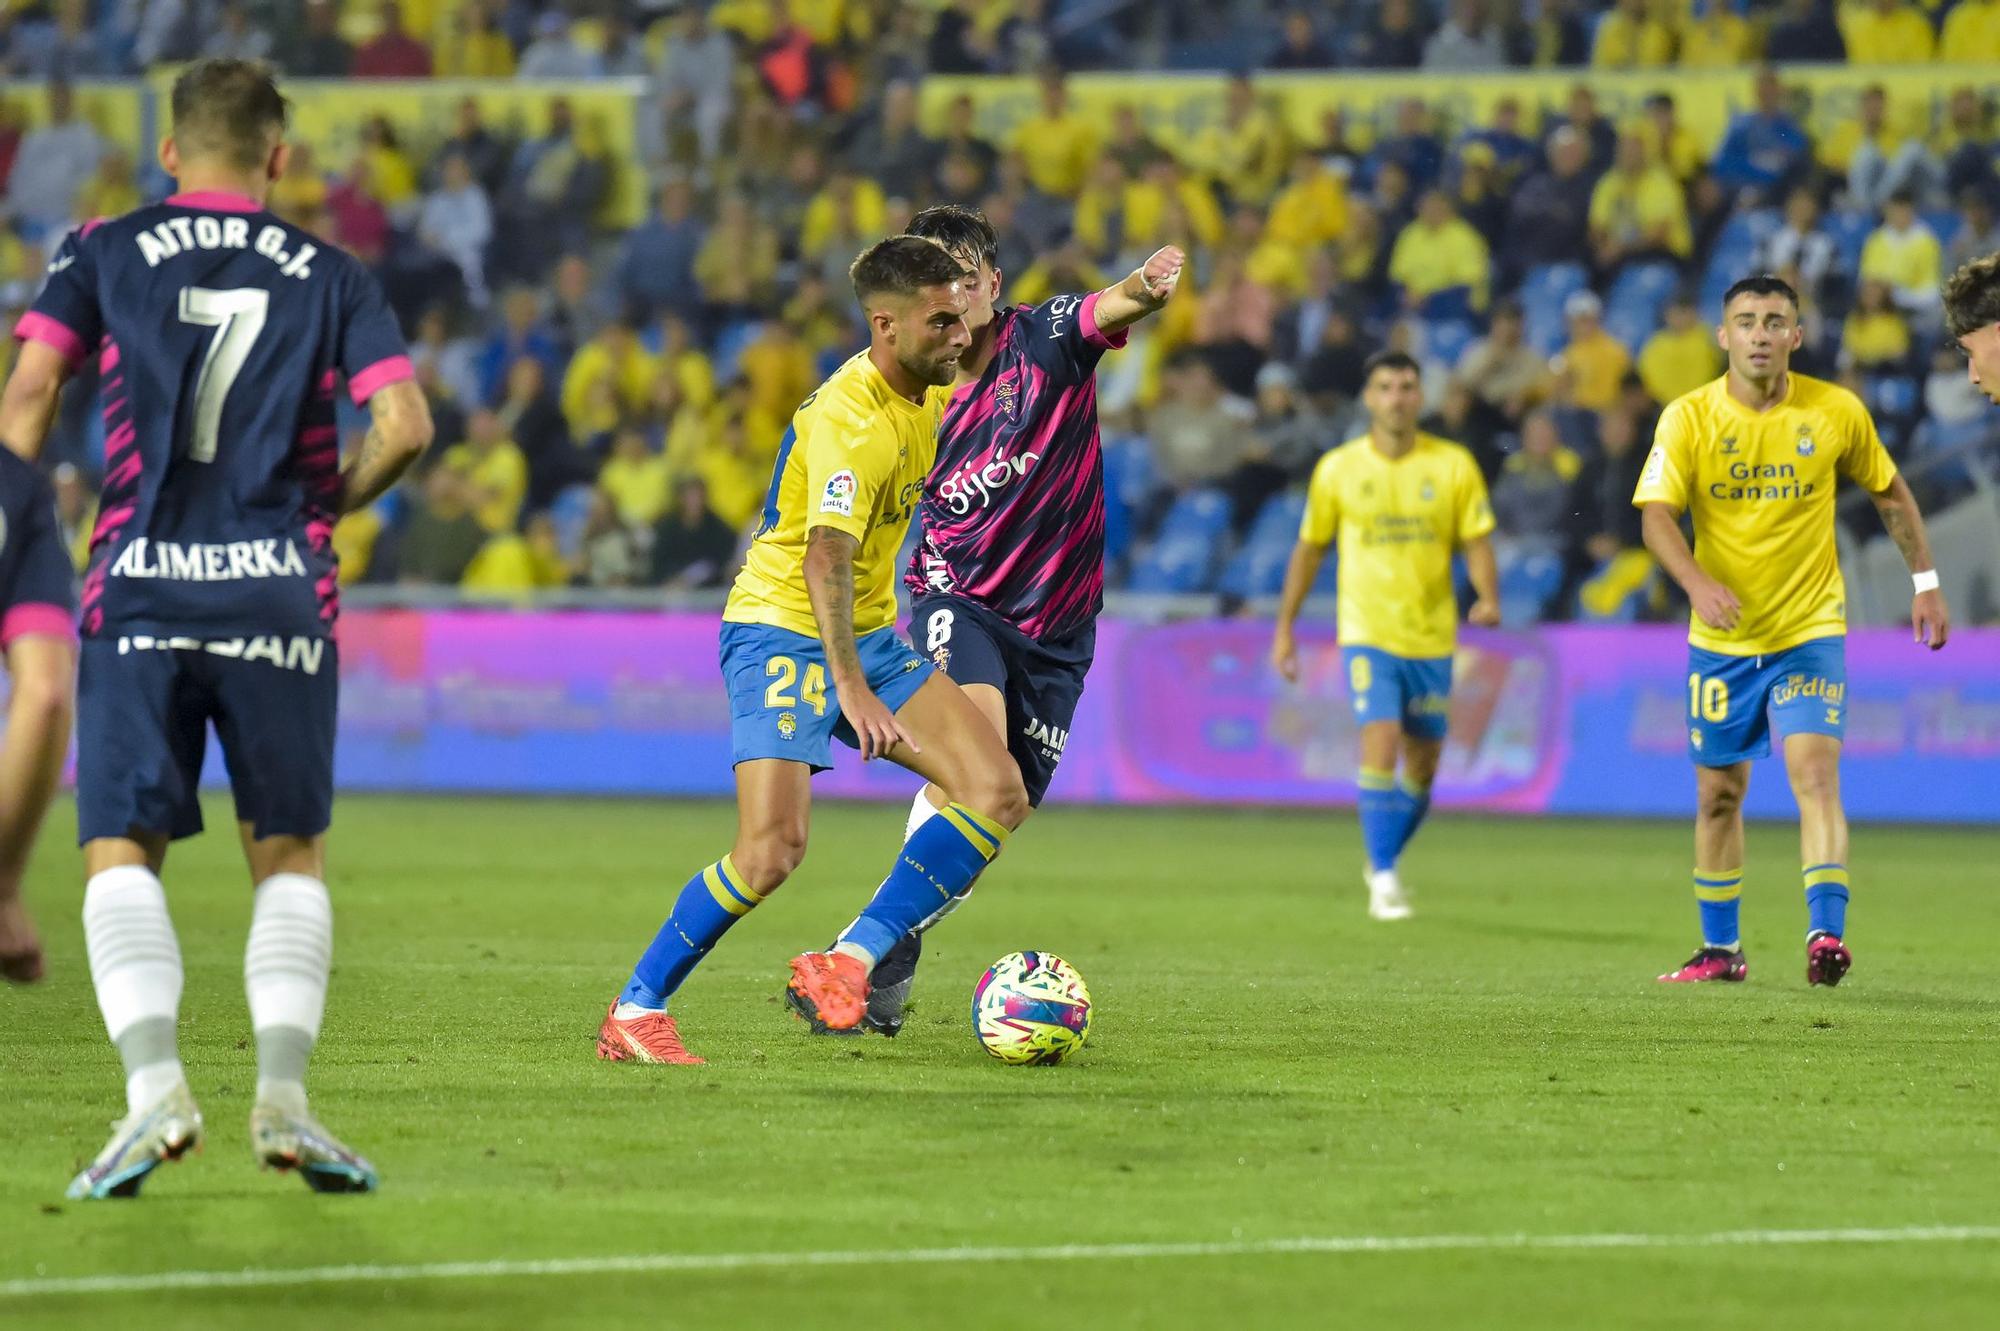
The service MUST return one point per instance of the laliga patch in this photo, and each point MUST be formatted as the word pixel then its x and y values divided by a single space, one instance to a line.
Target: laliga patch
pixel 838 497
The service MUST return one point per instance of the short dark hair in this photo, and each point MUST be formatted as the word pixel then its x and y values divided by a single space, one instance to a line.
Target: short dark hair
pixel 1389 360
pixel 960 229
pixel 1972 296
pixel 229 109
pixel 902 266
pixel 1762 284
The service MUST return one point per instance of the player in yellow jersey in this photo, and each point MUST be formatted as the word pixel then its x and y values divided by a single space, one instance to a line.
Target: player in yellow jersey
pixel 810 653
pixel 1401 503
pixel 1754 459
pixel 1972 313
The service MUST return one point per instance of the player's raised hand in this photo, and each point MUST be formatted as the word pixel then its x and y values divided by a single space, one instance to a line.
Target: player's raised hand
pixel 1484 613
pixel 1715 604
pixel 875 726
pixel 1161 274
pixel 1929 618
pixel 1285 656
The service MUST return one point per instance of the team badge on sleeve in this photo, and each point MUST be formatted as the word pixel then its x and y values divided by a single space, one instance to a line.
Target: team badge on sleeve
pixel 838 497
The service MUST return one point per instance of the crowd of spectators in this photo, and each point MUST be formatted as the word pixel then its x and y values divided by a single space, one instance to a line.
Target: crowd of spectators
pixel 610 399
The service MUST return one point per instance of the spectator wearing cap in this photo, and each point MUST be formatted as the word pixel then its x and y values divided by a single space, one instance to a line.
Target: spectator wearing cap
pixel 1764 150
pixel 1594 360
pixel 1439 257
pixel 1630 37
pixel 392 53
pixel 1469 41
pixel 1887 32
pixel 1680 356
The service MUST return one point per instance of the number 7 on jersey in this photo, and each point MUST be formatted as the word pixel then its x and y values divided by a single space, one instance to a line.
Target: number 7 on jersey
pixel 237 317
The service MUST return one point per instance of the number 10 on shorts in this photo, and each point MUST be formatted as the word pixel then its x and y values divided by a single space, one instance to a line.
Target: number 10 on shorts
pixel 1708 699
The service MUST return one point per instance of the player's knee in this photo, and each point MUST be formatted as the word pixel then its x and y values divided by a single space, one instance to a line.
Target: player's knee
pixel 1000 795
pixel 1815 782
pixel 1719 801
pixel 767 860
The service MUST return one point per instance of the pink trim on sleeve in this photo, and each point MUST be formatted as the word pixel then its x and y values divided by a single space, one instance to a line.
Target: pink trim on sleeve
pixel 38 327
pixel 1092 333
pixel 36 618
pixel 393 370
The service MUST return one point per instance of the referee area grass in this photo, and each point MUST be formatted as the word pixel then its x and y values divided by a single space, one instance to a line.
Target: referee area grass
pixel 1265 1063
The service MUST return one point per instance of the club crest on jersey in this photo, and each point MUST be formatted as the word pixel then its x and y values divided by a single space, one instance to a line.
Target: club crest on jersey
pixel 1428 492
pixel 788 725
pixel 1007 392
pixel 838 496
pixel 1806 445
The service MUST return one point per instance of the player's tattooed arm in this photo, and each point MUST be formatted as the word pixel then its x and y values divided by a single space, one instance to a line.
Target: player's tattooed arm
pixel 1146 289
pixel 829 572
pixel 399 433
pixel 1904 521
pixel 28 407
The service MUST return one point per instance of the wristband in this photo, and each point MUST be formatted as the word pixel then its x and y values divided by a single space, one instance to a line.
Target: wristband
pixel 1927 581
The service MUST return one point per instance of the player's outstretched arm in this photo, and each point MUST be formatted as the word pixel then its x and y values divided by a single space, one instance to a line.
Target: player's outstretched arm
pixel 1484 569
pixel 1299 575
pixel 829 572
pixel 28 407
pixel 401 431
pixel 1716 605
pixel 1929 619
pixel 1146 289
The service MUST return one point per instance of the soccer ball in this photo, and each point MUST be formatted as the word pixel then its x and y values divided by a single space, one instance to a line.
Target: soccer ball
pixel 1031 1007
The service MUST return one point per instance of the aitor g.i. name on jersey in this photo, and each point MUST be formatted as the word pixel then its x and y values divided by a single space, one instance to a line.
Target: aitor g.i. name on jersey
pixel 221 333
pixel 1013 512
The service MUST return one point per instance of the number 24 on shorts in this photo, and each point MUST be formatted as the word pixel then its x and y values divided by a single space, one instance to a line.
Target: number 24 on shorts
pixel 784 673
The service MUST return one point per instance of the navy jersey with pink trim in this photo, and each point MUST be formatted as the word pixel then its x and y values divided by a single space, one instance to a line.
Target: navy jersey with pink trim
pixel 1013 509
pixel 221 334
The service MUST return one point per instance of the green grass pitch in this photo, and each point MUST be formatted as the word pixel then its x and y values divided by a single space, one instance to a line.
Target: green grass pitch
pixel 1265 1064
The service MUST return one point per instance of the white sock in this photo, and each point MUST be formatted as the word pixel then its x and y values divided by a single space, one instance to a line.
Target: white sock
pixel 135 965
pixel 284 973
pixel 921 812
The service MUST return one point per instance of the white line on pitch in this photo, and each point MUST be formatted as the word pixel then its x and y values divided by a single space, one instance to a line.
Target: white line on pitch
pixel 643 1263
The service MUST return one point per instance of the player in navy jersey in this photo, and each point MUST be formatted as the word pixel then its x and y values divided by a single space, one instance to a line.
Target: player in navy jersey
pixel 38 640
pixel 221 334
pixel 1008 576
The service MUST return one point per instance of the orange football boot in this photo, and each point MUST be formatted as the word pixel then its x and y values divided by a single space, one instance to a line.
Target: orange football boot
pixel 651 1038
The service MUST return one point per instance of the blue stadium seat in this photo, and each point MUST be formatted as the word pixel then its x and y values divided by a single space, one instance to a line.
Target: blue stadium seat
pixel 570 512
pixel 1543 292
pixel 1735 249
pixel 729 344
pixel 1446 342
pixel 1892 394
pixel 1638 302
pixel 1183 557
pixel 1944 224
pixel 1528 583
pixel 1258 569
pixel 1850 232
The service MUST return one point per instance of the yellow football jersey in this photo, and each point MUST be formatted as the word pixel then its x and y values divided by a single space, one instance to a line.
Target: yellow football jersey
pixel 1398 524
pixel 1760 486
pixel 854 459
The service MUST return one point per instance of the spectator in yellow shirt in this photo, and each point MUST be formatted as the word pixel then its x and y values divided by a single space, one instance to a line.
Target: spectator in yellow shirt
pixel 1630 37
pixel 472 45
pixel 1681 356
pixel 638 480
pixel 1312 209
pixel 778 368
pixel 494 468
pixel 1059 144
pixel 112 191
pixel 1876 337
pixel 736 481
pixel 849 203
pixel 1638 212
pixel 1904 255
pixel 515 565
pixel 391 178
pixel 1673 145
pixel 1439 252
pixel 1101 222
pixel 609 376
pixel 1246 152
pixel 1719 39
pixel 1971 33
pixel 1594 361
pixel 737 264
pixel 1886 32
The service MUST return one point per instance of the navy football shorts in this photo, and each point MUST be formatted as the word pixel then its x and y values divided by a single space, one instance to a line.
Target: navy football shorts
pixel 144 705
pixel 1041 681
